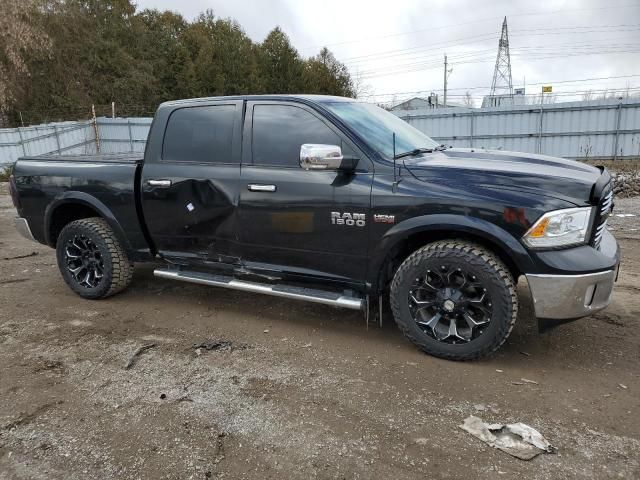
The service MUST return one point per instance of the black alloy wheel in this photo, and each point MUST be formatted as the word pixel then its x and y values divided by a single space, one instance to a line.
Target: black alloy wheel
pixel 454 299
pixel 450 304
pixel 84 261
pixel 91 259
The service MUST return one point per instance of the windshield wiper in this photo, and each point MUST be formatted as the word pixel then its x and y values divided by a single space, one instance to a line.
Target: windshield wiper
pixel 414 152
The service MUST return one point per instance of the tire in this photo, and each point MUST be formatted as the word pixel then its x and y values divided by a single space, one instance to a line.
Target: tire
pixel 457 283
pixel 89 247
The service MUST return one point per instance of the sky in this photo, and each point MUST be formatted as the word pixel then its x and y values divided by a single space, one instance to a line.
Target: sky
pixel 395 49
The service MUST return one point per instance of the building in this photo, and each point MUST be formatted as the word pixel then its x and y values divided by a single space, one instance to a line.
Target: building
pixel 420 103
pixel 518 98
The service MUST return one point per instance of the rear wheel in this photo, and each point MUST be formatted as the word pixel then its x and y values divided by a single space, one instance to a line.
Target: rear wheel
pixel 92 260
pixel 454 300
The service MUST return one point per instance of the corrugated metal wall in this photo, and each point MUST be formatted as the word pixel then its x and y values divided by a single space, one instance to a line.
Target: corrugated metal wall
pixel 597 129
pixel 61 137
pixel 114 135
pixel 123 134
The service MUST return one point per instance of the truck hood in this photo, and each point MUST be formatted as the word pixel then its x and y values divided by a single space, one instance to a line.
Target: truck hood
pixel 566 180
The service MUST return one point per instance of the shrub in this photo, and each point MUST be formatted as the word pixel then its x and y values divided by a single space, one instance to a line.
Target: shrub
pixel 5 172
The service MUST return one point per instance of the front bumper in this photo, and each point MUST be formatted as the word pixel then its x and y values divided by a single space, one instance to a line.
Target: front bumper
pixel 22 226
pixel 565 297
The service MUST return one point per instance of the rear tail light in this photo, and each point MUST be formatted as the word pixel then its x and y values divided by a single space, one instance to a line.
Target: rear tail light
pixel 13 190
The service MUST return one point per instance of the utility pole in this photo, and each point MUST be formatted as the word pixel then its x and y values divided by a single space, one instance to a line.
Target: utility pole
pixel 445 80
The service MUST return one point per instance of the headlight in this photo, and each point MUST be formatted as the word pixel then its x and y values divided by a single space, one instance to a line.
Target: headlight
pixel 560 228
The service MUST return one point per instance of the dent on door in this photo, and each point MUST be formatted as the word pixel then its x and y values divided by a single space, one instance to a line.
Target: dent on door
pixel 194 215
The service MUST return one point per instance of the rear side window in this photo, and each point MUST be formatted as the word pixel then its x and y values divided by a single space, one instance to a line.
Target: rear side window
pixel 280 130
pixel 200 134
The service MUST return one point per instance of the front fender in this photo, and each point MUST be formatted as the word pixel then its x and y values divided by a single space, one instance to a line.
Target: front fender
pixel 453 224
pixel 82 198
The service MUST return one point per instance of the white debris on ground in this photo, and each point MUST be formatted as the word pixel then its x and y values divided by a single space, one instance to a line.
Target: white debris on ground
pixel 516 439
pixel 625 219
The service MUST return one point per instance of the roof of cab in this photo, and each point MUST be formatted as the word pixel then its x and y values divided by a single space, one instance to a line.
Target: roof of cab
pixel 307 98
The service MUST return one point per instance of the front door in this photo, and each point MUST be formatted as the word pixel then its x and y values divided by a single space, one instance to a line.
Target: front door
pixel 190 186
pixel 312 223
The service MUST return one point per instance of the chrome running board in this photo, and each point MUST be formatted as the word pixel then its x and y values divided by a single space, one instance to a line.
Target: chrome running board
pixel 284 291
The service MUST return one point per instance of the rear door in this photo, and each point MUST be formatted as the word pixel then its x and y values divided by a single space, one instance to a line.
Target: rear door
pixel 313 223
pixel 190 183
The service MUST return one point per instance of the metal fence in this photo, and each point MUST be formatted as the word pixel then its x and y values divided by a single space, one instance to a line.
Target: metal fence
pixel 61 137
pixel 123 134
pixel 113 135
pixel 603 129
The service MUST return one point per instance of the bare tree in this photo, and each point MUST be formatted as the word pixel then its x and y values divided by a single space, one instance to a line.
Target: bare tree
pixel 468 100
pixel 19 34
pixel 588 95
pixel 392 103
pixel 545 98
pixel 360 87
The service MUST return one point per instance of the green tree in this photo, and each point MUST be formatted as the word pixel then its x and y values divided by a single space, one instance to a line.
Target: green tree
pixel 218 58
pixel 21 33
pixel 104 50
pixel 324 74
pixel 93 59
pixel 160 45
pixel 280 66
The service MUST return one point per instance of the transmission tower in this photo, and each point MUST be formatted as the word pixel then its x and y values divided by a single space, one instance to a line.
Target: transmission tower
pixel 502 84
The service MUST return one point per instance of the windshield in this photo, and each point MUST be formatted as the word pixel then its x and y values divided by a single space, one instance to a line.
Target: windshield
pixel 377 126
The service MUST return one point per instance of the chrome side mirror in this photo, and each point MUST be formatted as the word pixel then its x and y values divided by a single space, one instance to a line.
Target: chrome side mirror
pixel 315 156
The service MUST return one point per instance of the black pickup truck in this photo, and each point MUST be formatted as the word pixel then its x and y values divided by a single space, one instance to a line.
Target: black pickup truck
pixel 333 201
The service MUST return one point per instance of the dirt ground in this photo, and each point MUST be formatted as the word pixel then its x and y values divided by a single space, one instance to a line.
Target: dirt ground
pixel 304 391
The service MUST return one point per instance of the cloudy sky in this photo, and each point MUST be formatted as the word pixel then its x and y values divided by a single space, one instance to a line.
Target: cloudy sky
pixel 396 48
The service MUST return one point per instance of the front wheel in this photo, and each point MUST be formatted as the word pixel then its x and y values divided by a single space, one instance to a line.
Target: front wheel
pixel 91 259
pixel 454 300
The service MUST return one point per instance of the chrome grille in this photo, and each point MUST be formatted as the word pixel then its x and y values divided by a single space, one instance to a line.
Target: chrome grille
pixel 605 205
pixel 604 210
pixel 597 238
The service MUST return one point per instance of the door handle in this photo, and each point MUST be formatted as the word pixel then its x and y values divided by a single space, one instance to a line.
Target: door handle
pixel 159 183
pixel 261 188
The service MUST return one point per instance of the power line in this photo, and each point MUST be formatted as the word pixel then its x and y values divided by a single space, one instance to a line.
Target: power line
pixel 421 49
pixel 488 19
pixel 461 58
pixel 483 57
pixel 633 92
pixel 397 51
pixel 385 71
pixel 571 93
pixel 549 82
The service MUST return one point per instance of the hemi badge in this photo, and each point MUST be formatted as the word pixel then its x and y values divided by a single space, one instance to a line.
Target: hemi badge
pixel 384 218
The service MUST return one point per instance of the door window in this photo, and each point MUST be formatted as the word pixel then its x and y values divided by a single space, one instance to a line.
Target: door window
pixel 280 130
pixel 200 134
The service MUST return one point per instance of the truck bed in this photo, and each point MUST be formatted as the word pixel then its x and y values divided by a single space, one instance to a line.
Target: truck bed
pixel 107 183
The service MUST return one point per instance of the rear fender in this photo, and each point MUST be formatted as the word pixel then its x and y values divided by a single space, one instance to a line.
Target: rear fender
pixel 85 199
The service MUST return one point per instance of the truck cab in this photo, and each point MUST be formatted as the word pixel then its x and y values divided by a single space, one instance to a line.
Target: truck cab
pixel 222 182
